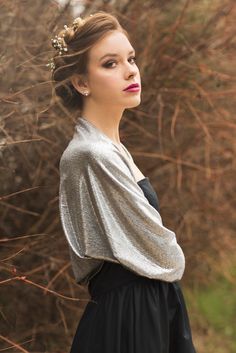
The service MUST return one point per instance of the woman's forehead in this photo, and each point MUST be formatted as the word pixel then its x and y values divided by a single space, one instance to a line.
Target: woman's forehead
pixel 115 43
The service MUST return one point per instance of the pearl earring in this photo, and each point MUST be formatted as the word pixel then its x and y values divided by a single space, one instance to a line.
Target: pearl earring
pixel 85 93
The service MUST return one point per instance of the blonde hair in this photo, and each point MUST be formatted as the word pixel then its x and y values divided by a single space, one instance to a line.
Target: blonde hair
pixel 79 38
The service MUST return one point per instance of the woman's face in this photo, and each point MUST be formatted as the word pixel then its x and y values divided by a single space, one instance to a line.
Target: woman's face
pixel 109 75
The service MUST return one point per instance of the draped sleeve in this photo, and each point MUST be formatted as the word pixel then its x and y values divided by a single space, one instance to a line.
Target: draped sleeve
pixel 105 215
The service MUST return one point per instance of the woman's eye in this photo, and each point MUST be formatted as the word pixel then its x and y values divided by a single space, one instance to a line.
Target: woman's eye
pixel 133 57
pixel 109 63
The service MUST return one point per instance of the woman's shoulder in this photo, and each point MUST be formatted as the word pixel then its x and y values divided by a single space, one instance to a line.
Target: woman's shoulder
pixel 87 152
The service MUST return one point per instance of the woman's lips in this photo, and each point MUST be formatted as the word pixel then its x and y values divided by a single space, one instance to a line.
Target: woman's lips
pixel 133 89
pixel 132 86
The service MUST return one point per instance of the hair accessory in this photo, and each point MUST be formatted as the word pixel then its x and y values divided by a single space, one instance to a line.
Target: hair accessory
pixel 59 43
pixel 78 21
pixel 51 64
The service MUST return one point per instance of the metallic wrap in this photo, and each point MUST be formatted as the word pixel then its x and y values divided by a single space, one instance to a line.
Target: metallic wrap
pixel 105 214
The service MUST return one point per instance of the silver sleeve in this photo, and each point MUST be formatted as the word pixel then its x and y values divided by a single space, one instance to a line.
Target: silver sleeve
pixel 105 215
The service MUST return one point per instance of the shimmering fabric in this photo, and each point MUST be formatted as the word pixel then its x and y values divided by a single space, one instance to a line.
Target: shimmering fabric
pixel 129 313
pixel 105 214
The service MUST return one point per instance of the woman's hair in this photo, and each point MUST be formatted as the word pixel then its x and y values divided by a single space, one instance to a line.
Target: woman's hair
pixel 79 38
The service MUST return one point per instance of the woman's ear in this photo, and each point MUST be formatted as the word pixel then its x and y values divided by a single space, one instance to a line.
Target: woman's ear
pixel 79 83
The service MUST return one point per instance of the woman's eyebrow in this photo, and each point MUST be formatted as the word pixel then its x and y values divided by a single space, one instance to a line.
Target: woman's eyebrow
pixel 114 54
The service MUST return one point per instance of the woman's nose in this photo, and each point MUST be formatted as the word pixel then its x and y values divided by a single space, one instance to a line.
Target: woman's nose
pixel 132 71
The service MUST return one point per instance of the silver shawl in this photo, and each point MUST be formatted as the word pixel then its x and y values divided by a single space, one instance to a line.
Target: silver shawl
pixel 105 214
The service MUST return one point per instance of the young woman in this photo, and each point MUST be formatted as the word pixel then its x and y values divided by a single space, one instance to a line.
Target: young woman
pixel 109 210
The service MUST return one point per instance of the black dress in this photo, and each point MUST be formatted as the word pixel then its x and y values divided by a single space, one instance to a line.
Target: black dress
pixel 129 313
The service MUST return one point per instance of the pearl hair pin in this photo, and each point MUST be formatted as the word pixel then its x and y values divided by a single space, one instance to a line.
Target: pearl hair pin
pixel 58 42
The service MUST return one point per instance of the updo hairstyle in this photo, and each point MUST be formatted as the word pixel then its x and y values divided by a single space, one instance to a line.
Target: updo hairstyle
pixel 79 37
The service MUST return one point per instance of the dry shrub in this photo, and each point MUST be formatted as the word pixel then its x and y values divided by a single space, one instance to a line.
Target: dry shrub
pixel 186 125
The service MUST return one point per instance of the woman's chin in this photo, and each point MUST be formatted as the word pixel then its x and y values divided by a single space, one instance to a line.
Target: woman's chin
pixel 134 103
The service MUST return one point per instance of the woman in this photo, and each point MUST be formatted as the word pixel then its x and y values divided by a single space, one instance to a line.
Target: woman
pixel 109 210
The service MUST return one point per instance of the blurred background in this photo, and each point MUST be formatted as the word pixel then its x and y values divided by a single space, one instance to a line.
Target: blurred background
pixel 182 136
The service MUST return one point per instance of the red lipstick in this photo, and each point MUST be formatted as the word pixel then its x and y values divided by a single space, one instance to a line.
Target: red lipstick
pixel 134 87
